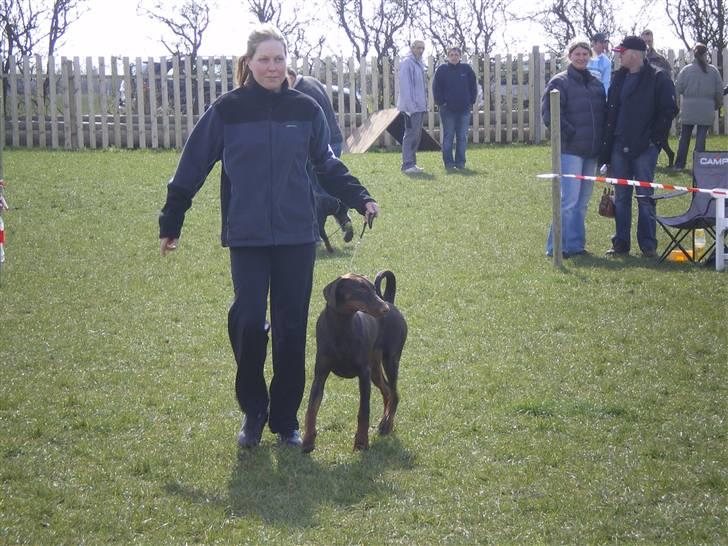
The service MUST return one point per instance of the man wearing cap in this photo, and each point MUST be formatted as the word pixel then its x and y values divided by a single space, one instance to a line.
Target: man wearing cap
pixel 640 109
pixel 600 65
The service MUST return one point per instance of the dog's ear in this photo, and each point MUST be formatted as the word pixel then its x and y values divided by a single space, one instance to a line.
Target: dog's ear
pixel 330 293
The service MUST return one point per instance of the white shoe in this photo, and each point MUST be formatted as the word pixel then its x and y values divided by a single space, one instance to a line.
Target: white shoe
pixel 414 170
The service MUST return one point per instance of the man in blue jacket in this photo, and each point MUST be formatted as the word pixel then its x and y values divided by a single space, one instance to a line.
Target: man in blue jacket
pixel 600 65
pixel 454 89
pixel 640 109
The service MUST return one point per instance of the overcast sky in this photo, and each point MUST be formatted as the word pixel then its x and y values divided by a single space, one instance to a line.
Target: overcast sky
pixel 113 28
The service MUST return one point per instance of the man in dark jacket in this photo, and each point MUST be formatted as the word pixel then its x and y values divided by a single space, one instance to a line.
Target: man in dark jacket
pixel 454 89
pixel 326 204
pixel 640 109
pixel 660 62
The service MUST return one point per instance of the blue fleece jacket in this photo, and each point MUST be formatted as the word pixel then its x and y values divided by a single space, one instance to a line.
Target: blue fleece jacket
pixel 263 140
pixel 455 86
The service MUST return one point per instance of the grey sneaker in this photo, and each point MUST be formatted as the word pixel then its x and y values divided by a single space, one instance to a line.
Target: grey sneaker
pixel 292 439
pixel 251 430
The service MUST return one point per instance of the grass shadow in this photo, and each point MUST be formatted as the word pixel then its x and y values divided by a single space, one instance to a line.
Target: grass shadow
pixel 421 176
pixel 464 172
pixel 282 486
pixel 343 251
pixel 628 262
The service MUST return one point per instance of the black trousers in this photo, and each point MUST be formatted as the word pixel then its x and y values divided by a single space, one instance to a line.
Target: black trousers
pixel 686 133
pixel 287 273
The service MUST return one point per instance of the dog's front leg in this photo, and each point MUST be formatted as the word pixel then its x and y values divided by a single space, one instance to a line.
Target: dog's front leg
pixel 314 403
pixel 361 440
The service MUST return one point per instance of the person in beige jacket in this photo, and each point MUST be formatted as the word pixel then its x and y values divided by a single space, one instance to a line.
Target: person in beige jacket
pixel 700 86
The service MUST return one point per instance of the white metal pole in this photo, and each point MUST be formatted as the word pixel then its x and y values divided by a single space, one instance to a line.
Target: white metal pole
pixel 721 226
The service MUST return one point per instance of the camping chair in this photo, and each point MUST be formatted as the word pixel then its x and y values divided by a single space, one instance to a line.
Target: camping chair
pixel 710 170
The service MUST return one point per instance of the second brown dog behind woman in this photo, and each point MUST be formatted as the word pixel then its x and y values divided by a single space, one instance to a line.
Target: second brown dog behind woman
pixel 264 134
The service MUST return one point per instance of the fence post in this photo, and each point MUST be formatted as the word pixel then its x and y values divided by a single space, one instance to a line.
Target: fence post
pixel 535 81
pixel 556 169
pixel 2 118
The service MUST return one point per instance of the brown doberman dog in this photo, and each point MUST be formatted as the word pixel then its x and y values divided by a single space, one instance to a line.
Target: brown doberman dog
pixel 358 334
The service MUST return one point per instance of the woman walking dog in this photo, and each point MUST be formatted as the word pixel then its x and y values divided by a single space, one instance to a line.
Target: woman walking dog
pixel 264 134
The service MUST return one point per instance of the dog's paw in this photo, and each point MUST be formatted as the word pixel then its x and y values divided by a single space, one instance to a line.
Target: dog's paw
pixel 308 443
pixel 385 426
pixel 361 444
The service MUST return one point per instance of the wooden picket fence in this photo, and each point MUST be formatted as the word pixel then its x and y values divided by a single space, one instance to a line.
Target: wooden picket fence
pixel 120 102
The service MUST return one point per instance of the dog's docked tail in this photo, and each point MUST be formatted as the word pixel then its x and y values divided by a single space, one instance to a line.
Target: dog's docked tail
pixel 390 289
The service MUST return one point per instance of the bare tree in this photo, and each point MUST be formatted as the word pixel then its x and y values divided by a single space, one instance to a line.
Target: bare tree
pixel 294 20
pixel 186 21
pixel 63 13
pixel 701 21
pixel 469 24
pixel 374 24
pixel 564 20
pixel 20 27
pixel 29 24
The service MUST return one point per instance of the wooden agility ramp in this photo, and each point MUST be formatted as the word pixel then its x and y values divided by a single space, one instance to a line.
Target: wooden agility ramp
pixel 389 120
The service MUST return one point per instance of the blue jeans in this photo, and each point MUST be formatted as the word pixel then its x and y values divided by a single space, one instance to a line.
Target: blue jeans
pixel 454 126
pixel 641 167
pixel 575 195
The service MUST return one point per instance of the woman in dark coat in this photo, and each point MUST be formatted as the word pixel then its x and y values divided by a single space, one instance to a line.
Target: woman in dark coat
pixel 583 110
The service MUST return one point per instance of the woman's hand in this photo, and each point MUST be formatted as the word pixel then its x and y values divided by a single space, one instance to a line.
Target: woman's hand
pixel 167 244
pixel 372 211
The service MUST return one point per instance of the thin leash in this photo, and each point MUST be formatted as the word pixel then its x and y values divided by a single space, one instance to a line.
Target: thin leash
pixel 357 245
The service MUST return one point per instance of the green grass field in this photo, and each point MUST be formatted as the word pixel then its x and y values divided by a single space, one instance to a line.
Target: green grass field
pixel 582 405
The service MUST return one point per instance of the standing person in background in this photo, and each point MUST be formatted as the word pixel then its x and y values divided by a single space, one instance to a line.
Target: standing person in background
pixel 658 61
pixel 412 102
pixel 640 109
pixel 699 83
pixel 600 65
pixel 454 89
pixel 583 109
pixel 327 204
pixel 653 57
pixel 264 134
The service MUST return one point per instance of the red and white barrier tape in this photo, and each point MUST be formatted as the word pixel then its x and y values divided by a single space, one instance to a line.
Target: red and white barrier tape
pixel 715 192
